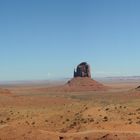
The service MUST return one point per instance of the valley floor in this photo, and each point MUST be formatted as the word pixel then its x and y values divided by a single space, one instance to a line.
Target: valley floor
pixel 29 113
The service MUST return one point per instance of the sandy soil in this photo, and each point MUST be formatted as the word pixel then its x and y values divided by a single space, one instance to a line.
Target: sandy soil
pixel 33 113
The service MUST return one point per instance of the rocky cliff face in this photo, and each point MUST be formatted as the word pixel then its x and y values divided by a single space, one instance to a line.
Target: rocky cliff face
pixel 82 70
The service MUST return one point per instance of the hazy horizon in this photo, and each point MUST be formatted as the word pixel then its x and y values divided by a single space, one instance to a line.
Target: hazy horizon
pixel 115 78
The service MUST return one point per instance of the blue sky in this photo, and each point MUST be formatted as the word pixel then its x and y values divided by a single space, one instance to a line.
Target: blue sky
pixel 46 39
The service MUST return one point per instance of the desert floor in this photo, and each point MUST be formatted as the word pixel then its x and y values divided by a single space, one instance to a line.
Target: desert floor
pixel 30 113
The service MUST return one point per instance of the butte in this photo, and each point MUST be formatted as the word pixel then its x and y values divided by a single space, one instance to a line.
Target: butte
pixel 82 80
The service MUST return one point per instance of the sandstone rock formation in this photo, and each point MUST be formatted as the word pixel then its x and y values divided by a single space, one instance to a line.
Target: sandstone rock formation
pixel 83 70
pixel 81 81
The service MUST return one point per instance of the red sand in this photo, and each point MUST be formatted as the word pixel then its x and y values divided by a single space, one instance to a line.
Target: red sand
pixel 78 84
pixel 4 91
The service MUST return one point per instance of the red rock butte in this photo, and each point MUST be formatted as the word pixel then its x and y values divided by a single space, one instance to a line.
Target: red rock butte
pixel 82 70
pixel 82 80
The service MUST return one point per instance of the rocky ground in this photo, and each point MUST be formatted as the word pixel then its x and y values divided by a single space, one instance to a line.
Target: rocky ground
pixel 33 113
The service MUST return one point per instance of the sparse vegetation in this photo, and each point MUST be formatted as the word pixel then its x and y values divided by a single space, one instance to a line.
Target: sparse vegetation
pixel 85 112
